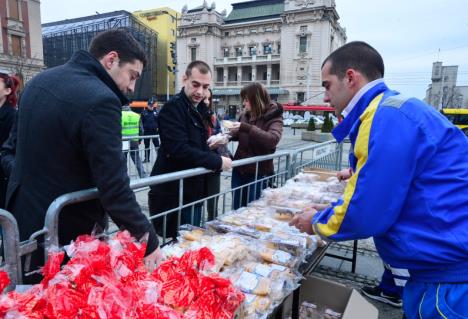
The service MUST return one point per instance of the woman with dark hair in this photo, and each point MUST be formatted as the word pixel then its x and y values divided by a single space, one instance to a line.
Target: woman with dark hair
pixel 8 99
pixel 258 131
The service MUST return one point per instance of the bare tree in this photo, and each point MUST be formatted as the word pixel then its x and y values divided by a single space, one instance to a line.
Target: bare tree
pixel 450 97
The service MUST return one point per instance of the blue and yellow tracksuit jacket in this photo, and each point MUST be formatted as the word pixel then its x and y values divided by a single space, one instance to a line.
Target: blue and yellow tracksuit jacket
pixel 410 187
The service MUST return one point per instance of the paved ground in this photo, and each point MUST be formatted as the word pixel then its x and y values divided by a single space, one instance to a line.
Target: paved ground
pixel 369 266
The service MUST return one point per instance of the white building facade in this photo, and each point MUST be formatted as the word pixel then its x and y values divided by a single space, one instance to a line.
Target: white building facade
pixel 280 43
pixel 20 38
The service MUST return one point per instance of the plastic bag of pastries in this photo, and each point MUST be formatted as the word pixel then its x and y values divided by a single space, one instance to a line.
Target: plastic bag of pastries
pixel 248 282
pixel 280 257
pixel 256 306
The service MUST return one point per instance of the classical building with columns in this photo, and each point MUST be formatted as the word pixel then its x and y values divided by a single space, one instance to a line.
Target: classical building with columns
pixel 280 43
pixel 20 38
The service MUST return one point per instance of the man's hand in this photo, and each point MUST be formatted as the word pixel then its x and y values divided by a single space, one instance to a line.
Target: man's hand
pixel 153 260
pixel 344 174
pixel 227 163
pixel 303 222
pixel 235 128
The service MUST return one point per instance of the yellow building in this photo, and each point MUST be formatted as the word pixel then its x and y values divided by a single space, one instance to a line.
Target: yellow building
pixel 164 22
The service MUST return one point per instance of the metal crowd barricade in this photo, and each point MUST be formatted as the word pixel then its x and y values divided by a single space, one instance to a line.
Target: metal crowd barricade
pixel 14 249
pixel 11 244
pixel 282 161
pixel 287 164
pixel 136 166
pixel 325 155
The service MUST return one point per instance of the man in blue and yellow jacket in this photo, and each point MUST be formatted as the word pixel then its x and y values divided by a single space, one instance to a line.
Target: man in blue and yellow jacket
pixel 410 187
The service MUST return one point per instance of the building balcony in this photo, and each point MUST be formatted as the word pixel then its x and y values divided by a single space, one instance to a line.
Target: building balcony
pixel 247 59
pixel 233 87
pixel 245 82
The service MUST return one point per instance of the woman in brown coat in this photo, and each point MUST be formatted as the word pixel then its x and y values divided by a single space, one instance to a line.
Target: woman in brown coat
pixel 258 132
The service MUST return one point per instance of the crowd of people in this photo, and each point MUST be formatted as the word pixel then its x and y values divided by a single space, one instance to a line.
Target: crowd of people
pixel 408 188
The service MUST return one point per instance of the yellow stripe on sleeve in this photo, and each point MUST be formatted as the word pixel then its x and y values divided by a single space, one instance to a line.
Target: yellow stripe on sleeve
pixel 361 149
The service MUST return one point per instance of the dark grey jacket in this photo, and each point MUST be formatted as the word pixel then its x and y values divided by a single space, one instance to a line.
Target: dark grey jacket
pixel 69 139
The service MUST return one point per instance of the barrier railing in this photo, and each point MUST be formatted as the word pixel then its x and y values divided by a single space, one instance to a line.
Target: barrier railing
pixel 327 155
pixel 140 154
pixel 11 244
pixel 287 164
pixel 52 215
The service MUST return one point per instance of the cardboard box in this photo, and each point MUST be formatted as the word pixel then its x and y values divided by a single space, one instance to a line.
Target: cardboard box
pixel 338 297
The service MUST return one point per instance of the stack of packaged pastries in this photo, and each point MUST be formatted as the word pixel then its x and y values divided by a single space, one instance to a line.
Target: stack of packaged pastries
pixel 256 248
pixel 303 190
pixel 265 274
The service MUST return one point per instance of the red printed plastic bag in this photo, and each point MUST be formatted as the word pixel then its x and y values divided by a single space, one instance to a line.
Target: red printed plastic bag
pixel 52 266
pixel 4 280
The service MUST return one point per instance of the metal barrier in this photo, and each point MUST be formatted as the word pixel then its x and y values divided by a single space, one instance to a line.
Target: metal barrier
pixel 11 247
pixel 52 215
pixel 287 164
pixel 325 155
pixel 136 153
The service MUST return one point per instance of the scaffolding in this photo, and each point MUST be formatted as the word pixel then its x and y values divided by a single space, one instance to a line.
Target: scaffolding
pixel 63 38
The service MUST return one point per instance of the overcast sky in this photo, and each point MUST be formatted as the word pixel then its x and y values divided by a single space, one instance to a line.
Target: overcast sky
pixel 408 33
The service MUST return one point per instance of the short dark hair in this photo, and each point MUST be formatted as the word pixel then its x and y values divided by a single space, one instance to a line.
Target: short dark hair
pixel 200 66
pixel 121 41
pixel 356 55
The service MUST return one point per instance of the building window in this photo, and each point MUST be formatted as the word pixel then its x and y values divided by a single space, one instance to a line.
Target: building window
pixel 239 32
pixel 253 30
pixel 193 40
pixel 193 53
pixel 279 48
pixel 16 45
pixel 303 44
pixel 173 32
pixel 226 52
pixel 238 51
pixel 267 48
pixel 226 34
pixel 268 29
pixel 300 97
pixel 13 8
pixel 303 28
pixel 253 50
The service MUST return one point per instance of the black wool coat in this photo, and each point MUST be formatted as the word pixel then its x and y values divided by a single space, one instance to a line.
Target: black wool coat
pixel 183 146
pixel 69 139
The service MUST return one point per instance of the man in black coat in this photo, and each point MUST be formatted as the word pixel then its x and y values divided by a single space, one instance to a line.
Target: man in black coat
pixel 69 139
pixel 183 146
pixel 149 121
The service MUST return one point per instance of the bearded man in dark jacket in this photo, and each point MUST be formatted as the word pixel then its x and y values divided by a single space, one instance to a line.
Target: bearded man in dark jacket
pixel 69 139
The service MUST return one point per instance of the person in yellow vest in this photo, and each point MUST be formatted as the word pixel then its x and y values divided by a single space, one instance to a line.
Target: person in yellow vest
pixel 131 127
